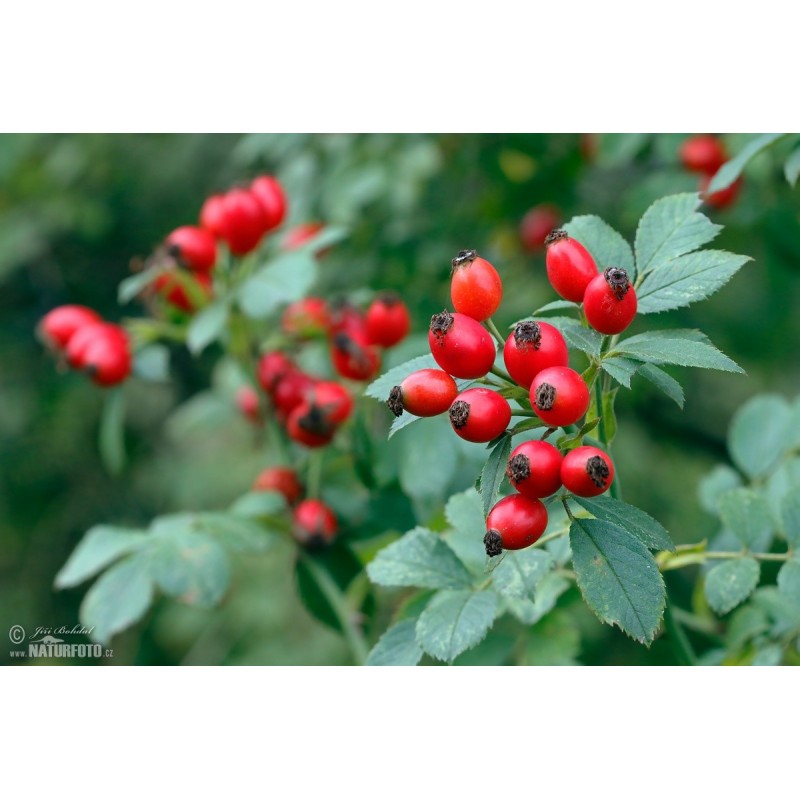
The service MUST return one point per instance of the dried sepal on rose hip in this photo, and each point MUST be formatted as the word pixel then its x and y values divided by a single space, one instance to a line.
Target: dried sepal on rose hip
pixel 587 471
pixel 514 523
pixel 387 320
pixel 461 346
pixel 308 425
pixel 534 469
pixel 424 393
pixel 610 301
pixel 559 396
pixel 479 415
pixel 532 347
pixel 475 286
pixel 570 265
pixel 314 525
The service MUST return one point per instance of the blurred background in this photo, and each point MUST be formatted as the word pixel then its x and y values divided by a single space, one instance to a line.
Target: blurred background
pixel 76 209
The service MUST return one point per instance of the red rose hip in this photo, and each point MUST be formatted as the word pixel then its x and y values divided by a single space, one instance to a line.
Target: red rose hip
pixel 514 523
pixel 424 393
pixel 313 524
pixel 270 195
pixel 333 400
pixel 534 469
pixel 308 425
pixel 387 320
pixel 460 345
pixel 306 318
pixel 479 415
pixel 354 357
pixel 559 396
pixel 610 301
pixel 536 226
pixel 703 153
pixel 724 197
pixel 587 471
pixel 58 326
pixel 532 347
pixel 279 479
pixel 475 286
pixel 570 265
pixel 244 221
pixel 194 248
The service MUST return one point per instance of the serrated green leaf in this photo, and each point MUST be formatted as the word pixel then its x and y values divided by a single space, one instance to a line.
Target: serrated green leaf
pixel 528 424
pixel 759 434
pixel 112 431
pixel 618 577
pixel 671 227
pixel 731 583
pixel 577 336
pixel 207 326
pixel 381 386
pixel 118 598
pixel 402 422
pixel 556 641
pixel 189 566
pixel 675 347
pixel 132 286
pixel 100 546
pixel 647 530
pixel 464 512
pixel 687 279
pixel 548 590
pixel 520 571
pixel 555 305
pixel 746 514
pixel 608 248
pixel 791 169
pixel 397 647
pixel 419 558
pixel 663 381
pixel 730 171
pixel 428 459
pixel 720 480
pixel 790 518
pixel 284 280
pixel 494 470
pixel 620 369
pixel 454 621
pixel 789 581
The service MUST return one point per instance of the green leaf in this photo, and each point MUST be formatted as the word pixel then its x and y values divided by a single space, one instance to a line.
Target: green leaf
pixel 731 583
pixel 620 369
pixel 747 623
pixel 577 336
pixel 556 641
pixel 548 590
pixel 676 347
pixel 427 459
pixel 419 558
pixel 792 167
pixel 790 518
pixel 759 434
pixel 720 480
pixel 746 514
pixel 730 171
pixel 454 621
pixel 608 248
pixel 402 422
pixel 233 529
pixel 520 571
pixel 663 381
pixel 397 647
pixel 100 546
pixel 789 581
pixel 464 512
pixel 648 531
pixel 190 566
pixel 259 504
pixel 381 386
pixel 618 577
pixel 494 470
pixel 112 431
pixel 151 363
pixel 555 305
pixel 769 655
pixel 324 239
pixel 118 598
pixel 132 286
pixel 687 279
pixel 284 280
pixel 671 227
pixel 207 326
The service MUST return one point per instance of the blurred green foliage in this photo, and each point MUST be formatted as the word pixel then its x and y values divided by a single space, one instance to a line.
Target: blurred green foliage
pixel 75 209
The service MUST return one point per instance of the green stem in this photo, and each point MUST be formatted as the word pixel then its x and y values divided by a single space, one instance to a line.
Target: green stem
pixel 550 536
pixel 720 555
pixel 522 412
pixel 501 374
pixel 678 639
pixel 314 473
pixel 353 636
pixel 495 332
pixel 567 508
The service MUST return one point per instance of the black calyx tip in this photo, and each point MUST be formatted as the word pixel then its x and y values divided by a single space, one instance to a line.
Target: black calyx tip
pixel 463 258
pixel 617 280
pixel 316 422
pixel 459 414
pixel 528 334
pixel 493 543
pixel 597 470
pixel 519 468
pixel 395 401
pixel 174 251
pixel 441 324
pixel 555 236
pixel 545 396
pixel 388 298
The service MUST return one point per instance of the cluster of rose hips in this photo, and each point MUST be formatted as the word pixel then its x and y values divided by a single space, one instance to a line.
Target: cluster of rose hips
pixel 314 525
pixel 79 337
pixel 537 359
pixel 311 409
pixel 705 154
